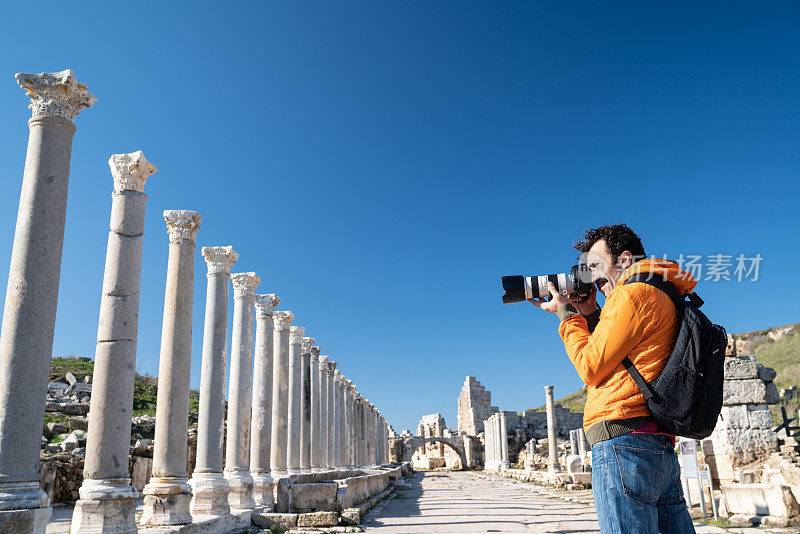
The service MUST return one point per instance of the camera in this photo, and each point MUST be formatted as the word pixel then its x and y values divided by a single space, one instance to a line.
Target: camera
pixel 578 281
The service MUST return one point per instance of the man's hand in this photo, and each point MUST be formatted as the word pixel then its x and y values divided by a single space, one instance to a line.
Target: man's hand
pixel 588 305
pixel 556 300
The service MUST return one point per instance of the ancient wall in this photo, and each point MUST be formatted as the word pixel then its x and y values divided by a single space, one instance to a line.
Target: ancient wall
pixel 474 407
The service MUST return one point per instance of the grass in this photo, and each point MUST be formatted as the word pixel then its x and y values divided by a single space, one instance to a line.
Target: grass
pixel 574 402
pixel 145 388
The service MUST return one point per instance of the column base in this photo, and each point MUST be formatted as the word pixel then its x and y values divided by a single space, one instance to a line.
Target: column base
pixel 105 506
pixel 263 492
pixel 166 502
pixel 554 468
pixel 209 494
pixel 24 507
pixel 241 495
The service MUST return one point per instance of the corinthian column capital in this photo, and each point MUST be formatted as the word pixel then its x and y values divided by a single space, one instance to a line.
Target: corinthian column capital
pixel 182 224
pixel 130 171
pixel 323 364
pixel 282 319
pixel 219 259
pixel 265 304
pixel 296 334
pixel 315 351
pixel 244 284
pixel 307 343
pixel 55 94
pixel 331 366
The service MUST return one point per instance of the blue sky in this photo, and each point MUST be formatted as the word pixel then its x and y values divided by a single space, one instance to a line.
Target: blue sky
pixel 381 164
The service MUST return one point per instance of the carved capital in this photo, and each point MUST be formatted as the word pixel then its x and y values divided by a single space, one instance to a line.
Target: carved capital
pixel 182 224
pixel 55 94
pixel 244 284
pixel 323 364
pixel 219 259
pixel 282 319
pixel 331 366
pixel 130 171
pixel 315 351
pixel 296 334
pixel 307 343
pixel 265 304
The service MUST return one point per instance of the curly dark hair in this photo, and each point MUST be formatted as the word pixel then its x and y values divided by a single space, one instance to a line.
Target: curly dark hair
pixel 618 238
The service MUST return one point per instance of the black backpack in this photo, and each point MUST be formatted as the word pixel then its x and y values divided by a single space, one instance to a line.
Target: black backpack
pixel 686 398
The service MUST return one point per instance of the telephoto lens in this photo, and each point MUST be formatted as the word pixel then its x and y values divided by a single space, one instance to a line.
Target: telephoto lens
pixel 521 288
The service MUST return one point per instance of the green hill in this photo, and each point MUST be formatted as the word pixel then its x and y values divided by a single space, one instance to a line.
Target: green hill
pixel 777 347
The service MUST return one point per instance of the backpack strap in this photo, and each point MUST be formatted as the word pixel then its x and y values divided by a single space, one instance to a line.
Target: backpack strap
pixel 659 283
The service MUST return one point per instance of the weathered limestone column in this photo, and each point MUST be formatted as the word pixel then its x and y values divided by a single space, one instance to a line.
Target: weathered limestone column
pixel 240 393
pixel 315 415
pixel 504 440
pixel 280 392
pixel 582 444
pixel 305 417
pixel 373 435
pixel 347 430
pixel 209 487
pixel 167 495
pixel 324 418
pixel 332 430
pixel 29 316
pixel 338 441
pixel 573 442
pixel 362 432
pixel 349 410
pixel 261 424
pixel 487 438
pixel 108 501
pixel 552 463
pixel 296 334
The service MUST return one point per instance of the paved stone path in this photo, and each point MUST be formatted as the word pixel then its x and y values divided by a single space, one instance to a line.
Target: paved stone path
pixel 462 502
pixel 442 501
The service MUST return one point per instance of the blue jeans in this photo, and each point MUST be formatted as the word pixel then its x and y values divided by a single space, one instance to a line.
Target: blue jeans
pixel 637 487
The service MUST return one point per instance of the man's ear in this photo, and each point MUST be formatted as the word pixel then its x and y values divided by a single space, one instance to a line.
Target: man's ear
pixel 625 260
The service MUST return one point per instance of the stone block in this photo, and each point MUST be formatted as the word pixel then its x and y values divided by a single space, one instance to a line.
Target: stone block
pixel 760 500
pixel 314 497
pixel 730 350
pixel 106 515
pixel 767 374
pixel 771 396
pixel 269 521
pixel 759 416
pixel 318 519
pixel 733 417
pixel 574 464
pixel 33 520
pixel 78 423
pixel 740 368
pixel 752 391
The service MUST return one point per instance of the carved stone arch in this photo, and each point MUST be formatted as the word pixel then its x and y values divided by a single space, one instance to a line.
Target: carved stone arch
pixel 415 442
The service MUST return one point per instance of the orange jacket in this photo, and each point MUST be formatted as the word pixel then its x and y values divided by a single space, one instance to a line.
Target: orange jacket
pixel 637 321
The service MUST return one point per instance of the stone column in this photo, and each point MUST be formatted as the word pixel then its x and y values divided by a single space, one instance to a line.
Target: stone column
pixel 373 434
pixel 305 416
pixel 347 430
pixel 552 463
pixel 573 442
pixel 339 422
pixel 362 434
pixel 261 424
pixel 209 487
pixel 324 420
pixel 296 334
pixel 240 393
pixel 332 431
pixel 316 466
pixel 108 500
pixel 582 444
pixel 280 393
pixel 29 316
pixel 167 495
pixel 487 438
pixel 504 440
pixel 349 411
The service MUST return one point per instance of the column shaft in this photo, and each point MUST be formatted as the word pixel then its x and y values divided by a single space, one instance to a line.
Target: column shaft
pixel 315 407
pixel 29 315
pixel 305 415
pixel 332 430
pixel 261 424
pixel 167 495
pixel 107 497
pixel 209 486
pixel 324 412
pixel 552 465
pixel 295 400
pixel 280 393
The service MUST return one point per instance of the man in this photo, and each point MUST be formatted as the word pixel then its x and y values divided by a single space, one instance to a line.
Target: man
pixel 635 472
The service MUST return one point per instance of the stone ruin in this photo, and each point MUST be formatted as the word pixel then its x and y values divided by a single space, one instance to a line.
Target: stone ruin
pixel 474 407
pixel 301 446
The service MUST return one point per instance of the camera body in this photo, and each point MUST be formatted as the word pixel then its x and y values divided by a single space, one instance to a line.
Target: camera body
pixel 578 281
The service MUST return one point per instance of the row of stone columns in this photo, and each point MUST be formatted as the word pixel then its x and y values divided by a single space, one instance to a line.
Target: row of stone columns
pixel 289 410
pixel 496 442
